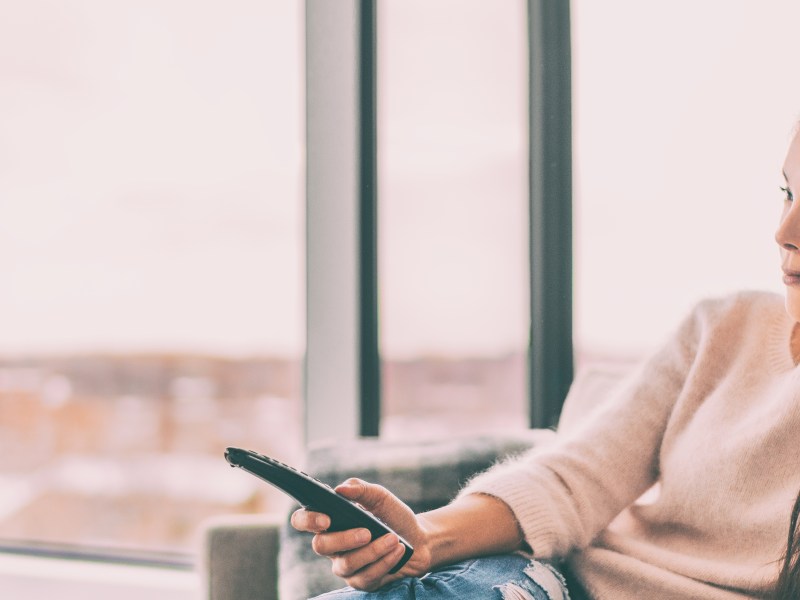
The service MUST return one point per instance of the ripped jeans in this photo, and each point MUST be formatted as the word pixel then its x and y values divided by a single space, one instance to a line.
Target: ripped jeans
pixel 506 577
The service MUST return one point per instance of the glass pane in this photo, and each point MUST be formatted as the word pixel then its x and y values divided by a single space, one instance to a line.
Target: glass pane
pixel 452 144
pixel 678 155
pixel 151 254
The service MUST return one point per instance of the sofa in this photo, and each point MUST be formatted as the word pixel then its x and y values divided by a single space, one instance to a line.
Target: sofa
pixel 261 557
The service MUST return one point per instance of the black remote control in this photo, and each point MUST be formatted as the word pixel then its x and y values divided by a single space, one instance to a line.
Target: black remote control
pixel 314 495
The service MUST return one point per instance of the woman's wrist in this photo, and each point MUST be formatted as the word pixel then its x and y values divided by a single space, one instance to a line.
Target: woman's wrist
pixel 472 525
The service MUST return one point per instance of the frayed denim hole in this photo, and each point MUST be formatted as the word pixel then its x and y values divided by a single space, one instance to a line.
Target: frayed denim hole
pixel 548 579
pixel 511 591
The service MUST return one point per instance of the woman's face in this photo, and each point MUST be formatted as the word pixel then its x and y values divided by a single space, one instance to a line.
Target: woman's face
pixel 788 234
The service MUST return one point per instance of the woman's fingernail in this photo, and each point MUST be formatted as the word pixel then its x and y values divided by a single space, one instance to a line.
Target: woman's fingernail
pixel 363 536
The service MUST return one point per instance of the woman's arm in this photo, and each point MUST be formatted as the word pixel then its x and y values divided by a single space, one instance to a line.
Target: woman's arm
pixel 553 499
pixel 473 525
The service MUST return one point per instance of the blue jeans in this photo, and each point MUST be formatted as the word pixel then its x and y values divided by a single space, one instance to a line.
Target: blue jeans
pixel 506 577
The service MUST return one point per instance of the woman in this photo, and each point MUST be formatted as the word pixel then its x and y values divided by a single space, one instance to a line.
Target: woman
pixel 708 427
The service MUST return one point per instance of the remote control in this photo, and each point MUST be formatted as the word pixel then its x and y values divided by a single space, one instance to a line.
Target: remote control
pixel 314 495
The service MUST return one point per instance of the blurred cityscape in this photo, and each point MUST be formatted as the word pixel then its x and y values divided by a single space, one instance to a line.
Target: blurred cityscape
pixel 126 452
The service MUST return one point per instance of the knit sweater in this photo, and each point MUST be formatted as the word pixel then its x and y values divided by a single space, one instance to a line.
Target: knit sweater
pixel 680 484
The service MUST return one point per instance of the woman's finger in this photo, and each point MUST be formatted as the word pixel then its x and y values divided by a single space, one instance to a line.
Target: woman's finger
pixel 309 521
pixel 336 542
pixel 348 563
pixel 376 574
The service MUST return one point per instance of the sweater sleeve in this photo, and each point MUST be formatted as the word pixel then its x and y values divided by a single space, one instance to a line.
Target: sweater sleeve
pixel 564 494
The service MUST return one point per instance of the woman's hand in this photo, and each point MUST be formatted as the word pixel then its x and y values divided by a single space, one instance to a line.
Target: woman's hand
pixel 362 563
pixel 472 525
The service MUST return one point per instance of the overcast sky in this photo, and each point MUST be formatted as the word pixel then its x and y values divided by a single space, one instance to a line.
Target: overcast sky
pixel 151 170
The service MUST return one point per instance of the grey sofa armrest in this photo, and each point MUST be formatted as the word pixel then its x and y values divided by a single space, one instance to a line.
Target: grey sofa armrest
pixel 239 557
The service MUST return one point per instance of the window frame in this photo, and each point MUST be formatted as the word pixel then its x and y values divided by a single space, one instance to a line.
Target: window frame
pixel 344 402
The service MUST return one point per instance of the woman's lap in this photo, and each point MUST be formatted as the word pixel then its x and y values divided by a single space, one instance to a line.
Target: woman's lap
pixel 507 577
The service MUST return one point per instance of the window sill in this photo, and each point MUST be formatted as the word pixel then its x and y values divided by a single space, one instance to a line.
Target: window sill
pixel 38 578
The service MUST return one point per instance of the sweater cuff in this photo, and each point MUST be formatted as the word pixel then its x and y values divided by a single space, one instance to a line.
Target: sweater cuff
pixel 532 510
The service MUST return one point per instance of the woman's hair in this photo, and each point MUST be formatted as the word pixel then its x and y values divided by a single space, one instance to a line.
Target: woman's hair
pixel 788 586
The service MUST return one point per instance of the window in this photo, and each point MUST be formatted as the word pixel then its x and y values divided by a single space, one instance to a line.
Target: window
pixel 151 257
pixel 453 202
pixel 678 150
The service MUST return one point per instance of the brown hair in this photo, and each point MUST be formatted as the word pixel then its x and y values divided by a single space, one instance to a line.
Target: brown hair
pixel 788 586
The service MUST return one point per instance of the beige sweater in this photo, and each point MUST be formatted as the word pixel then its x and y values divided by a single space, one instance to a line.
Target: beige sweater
pixel 713 420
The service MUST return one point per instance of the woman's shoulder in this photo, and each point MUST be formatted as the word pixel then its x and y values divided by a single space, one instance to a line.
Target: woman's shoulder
pixel 742 303
pixel 724 327
pixel 748 314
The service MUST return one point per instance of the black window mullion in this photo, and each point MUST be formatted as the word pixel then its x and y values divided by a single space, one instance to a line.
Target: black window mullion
pixel 370 369
pixel 550 177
